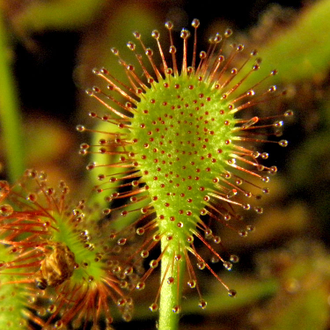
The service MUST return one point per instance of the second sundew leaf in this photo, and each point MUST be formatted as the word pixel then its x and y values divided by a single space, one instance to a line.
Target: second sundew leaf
pixel 70 275
pixel 188 151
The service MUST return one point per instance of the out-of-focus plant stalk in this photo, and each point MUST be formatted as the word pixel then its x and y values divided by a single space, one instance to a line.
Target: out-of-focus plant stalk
pixel 10 118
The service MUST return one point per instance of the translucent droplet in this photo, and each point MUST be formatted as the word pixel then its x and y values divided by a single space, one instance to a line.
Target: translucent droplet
pixel 228 265
pixel 243 233
pixel 153 264
pixel 140 286
pixel 115 51
pixel 208 232
pixel 255 154
pixel 169 25
pixel 217 239
pixel 127 317
pixel 184 33
pixel 260 168
pixel 273 169
pixel 106 211
pixel 144 254
pixel 32 197
pixel 192 284
pixel 172 50
pixel 238 182
pixel 177 257
pixel 153 307
pixel 246 206
pixel 201 265
pixel 283 143
pixel 131 45
pixel 6 210
pixel 80 128
pixel 149 52
pixel 202 304
pixel 176 309
pixel 140 231
pixel 42 176
pixel 227 217
pixel 214 259
pixel 195 23
pixel 156 237
pixel 234 258
pixel 122 241
pixel 203 212
pixel 231 161
pixel 121 302
pixel 264 155
pixel 240 48
pixel 265 190
pixel 52 308
pixel 96 89
pixel 250 228
pixel 217 38
pixel 232 293
pixel 96 71
pixel 128 270
pixel 265 179
pixel 288 113
pixel 259 209
pixel 278 123
pixel 155 34
pixel 89 92
pixel 228 33
pixel 90 166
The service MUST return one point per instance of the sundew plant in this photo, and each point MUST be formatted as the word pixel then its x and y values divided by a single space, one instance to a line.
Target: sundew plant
pixel 183 146
pixel 186 162
pixel 178 198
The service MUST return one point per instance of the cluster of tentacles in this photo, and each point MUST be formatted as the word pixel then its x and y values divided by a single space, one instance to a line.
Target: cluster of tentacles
pixel 181 149
pixel 57 265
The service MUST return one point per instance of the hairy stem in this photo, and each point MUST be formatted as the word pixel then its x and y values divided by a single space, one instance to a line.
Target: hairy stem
pixel 172 267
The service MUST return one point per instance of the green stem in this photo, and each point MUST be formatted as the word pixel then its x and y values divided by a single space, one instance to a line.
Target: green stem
pixel 173 266
pixel 11 127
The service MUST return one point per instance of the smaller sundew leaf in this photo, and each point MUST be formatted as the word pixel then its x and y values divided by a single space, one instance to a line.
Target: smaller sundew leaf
pixel 69 278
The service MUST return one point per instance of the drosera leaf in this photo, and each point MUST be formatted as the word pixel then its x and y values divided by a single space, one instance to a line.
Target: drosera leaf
pixel 70 276
pixel 189 148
